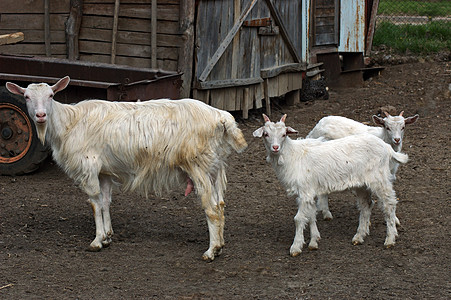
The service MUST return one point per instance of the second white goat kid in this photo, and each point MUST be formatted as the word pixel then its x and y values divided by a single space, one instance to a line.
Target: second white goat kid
pixel 311 167
pixel 148 146
pixel 335 127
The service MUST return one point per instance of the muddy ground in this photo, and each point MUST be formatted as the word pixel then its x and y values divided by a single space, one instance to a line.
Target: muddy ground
pixel 46 223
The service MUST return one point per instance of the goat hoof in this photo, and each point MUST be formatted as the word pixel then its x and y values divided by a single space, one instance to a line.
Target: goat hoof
pixel 328 217
pixel 106 242
pixel 356 242
pixel 294 251
pixel 93 249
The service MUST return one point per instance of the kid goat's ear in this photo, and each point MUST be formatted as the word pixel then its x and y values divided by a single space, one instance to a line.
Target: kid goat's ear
pixel 258 132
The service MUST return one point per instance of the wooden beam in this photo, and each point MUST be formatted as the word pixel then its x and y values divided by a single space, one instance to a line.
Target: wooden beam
pixel 11 38
pixel 216 84
pixel 153 33
pixel 371 27
pixel 187 9
pixel 225 43
pixel 114 33
pixel 73 25
pixel 287 68
pixel 47 28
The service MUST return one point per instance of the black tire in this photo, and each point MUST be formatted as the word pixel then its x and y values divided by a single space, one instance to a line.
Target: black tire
pixel 21 152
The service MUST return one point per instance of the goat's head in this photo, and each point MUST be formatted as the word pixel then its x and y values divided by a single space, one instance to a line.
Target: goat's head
pixel 39 99
pixel 394 126
pixel 274 134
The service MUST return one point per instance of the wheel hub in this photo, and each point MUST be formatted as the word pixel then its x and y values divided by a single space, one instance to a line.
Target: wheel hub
pixel 15 133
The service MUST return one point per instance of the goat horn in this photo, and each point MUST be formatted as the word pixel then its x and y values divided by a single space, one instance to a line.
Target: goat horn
pixel 401 113
pixel 283 118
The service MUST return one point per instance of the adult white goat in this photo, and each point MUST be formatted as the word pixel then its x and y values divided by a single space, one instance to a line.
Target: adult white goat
pixel 335 127
pixel 312 167
pixel 148 146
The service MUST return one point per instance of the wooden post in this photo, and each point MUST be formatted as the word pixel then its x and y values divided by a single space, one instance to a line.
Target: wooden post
pixel 267 99
pixel 114 34
pixel 153 38
pixel 371 27
pixel 73 25
pixel 236 38
pixel 187 8
pixel 246 103
pixel 47 40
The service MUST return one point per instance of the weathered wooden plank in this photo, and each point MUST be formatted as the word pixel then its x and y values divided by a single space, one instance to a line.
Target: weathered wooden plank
pixel 173 2
pixel 34 36
pixel 276 70
pixel 164 12
pixel 73 28
pixel 168 65
pixel 24 22
pixel 215 84
pixel 186 52
pixel 127 24
pixel 153 33
pixel 47 37
pixel 95 47
pixel 133 38
pixel 11 38
pixel 33 49
pixel 30 7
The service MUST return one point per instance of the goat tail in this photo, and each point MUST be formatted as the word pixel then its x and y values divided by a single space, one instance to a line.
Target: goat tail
pixel 234 136
pixel 400 157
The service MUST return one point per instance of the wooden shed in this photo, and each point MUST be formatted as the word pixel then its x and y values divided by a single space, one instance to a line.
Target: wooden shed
pixel 234 54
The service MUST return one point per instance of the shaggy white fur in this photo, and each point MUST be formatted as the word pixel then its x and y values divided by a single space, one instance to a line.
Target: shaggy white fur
pixel 149 147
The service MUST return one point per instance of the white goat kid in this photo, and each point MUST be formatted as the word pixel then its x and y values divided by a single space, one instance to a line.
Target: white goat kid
pixel 311 167
pixel 147 146
pixel 335 127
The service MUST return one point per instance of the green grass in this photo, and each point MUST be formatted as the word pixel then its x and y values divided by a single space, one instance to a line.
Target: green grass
pixel 415 8
pixel 418 39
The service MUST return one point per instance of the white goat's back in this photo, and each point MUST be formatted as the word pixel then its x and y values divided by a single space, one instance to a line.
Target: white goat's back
pixel 335 127
pixel 145 145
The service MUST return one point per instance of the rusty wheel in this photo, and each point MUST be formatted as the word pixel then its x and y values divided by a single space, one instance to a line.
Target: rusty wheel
pixel 20 150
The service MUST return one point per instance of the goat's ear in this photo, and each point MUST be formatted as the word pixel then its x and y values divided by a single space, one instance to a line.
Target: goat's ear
pixel 61 84
pixel 258 132
pixel 14 88
pixel 266 118
pixel 411 120
pixel 378 120
pixel 386 114
pixel 283 118
pixel 291 130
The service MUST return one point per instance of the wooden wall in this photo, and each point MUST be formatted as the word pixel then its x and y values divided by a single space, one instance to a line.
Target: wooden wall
pixel 133 44
pixel 27 16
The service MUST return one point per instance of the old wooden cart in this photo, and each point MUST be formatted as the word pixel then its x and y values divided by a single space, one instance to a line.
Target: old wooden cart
pixel 20 150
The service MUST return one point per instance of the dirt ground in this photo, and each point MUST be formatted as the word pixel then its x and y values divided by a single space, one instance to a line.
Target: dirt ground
pixel 46 223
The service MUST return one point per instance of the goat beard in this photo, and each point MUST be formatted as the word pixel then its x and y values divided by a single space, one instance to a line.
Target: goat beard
pixel 41 129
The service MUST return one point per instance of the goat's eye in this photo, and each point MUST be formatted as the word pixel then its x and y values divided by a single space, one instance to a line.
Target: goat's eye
pixel 27 98
pixel 265 134
pixel 403 128
pixel 284 135
pixel 388 129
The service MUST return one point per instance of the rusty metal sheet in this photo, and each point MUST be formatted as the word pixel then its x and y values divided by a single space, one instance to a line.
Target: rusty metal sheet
pixel 352 26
